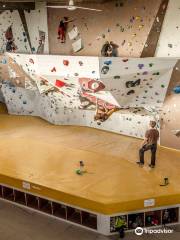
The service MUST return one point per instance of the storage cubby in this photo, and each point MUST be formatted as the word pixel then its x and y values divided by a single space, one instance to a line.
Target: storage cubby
pixel 45 206
pixel 53 208
pixel 32 201
pixel 19 197
pixel 113 222
pixel 8 193
pixel 153 218
pixel 89 220
pixel 74 215
pixel 170 215
pixel 0 191
pixel 59 210
pixel 135 220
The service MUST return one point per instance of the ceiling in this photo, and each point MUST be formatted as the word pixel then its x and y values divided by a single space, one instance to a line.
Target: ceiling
pixel 29 4
pixel 58 1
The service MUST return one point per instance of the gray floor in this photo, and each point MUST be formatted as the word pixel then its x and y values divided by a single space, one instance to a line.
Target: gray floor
pixel 20 224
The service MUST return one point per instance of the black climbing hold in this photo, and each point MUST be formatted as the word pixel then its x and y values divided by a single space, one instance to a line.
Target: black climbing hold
pixel 105 70
pixel 130 92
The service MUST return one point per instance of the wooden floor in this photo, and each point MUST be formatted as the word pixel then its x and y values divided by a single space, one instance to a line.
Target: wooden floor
pixel 47 156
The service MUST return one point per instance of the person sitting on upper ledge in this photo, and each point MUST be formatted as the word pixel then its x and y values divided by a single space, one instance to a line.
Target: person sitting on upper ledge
pixel 109 49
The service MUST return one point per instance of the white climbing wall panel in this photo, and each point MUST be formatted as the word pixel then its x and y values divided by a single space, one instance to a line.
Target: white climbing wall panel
pixel 137 82
pixel 64 89
pixel 36 20
pixel 7 19
pixel 169 41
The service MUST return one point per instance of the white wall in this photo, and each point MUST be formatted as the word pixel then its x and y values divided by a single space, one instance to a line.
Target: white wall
pixel 170 33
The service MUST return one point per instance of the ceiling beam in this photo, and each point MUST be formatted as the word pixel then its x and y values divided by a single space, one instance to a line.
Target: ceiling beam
pixel 17 6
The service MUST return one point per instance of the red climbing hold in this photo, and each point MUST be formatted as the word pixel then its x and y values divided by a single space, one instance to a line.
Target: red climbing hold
pixel 65 62
pixel 60 84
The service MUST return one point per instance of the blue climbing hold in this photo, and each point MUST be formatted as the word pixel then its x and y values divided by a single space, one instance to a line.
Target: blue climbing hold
pixel 4 61
pixel 108 62
pixel 176 89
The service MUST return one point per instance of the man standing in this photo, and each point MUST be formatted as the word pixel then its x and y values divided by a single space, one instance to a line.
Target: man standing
pixel 149 143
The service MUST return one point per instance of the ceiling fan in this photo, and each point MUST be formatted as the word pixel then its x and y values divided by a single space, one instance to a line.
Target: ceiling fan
pixel 72 7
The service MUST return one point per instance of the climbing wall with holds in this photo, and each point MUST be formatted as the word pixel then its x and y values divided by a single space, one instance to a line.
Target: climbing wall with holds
pixel 169 46
pixel 8 19
pixel 68 66
pixel 69 90
pixel 20 101
pixel 128 28
pixel 4 71
pixel 36 23
pixel 17 101
pixel 170 114
pixel 4 74
pixel 135 82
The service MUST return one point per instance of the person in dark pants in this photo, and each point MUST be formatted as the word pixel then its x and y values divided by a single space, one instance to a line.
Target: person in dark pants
pixel 149 143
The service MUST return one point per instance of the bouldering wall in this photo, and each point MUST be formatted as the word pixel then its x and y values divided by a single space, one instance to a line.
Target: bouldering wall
pixel 37 26
pixel 20 101
pixel 169 46
pixel 153 36
pixel 8 19
pixel 136 83
pixel 4 74
pixel 125 23
pixel 170 116
pixel 73 90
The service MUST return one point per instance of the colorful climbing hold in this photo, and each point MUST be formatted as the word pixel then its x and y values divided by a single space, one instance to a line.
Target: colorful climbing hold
pixel 53 69
pixel 140 66
pixel 65 62
pixel 176 89
pixel 157 73
pixel 108 62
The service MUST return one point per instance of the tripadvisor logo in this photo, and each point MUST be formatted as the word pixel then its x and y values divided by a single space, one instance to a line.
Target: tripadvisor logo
pixel 139 231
